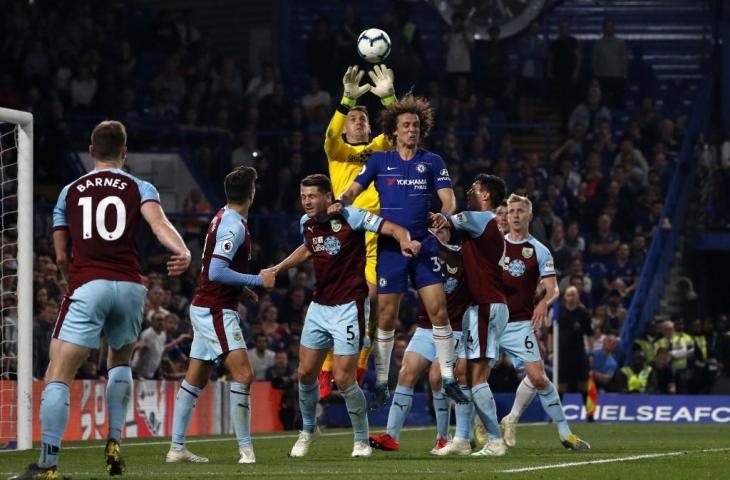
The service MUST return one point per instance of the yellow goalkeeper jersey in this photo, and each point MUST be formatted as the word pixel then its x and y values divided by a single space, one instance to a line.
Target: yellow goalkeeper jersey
pixel 346 160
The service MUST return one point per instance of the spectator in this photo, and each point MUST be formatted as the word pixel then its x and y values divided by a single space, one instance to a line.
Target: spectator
pixel 155 300
pixel 263 84
pixel 495 66
pixel 563 69
pixel 532 52
pixel 261 357
pixel 591 113
pixel 576 270
pixel 632 160
pixel 637 377
pixel 315 97
pixel 280 374
pixel 610 64
pixel 545 220
pixel 574 242
pixel 605 242
pixel 42 332
pixel 459 41
pixel 615 312
pixel 197 209
pixel 638 250
pixel 150 347
pixel 663 371
pixel 561 254
pixel 574 324
pixel 622 267
pixel 681 348
pixel 604 363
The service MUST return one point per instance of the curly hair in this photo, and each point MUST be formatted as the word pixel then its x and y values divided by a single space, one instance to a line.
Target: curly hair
pixel 409 104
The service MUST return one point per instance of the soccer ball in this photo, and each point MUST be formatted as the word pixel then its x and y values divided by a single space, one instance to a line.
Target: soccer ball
pixel 373 45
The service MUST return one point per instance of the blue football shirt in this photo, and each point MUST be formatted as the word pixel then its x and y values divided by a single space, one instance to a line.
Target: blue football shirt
pixel 406 187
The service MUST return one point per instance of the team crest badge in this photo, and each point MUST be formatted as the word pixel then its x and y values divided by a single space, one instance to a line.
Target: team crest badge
pixel 227 246
pixel 237 336
pixel 336 225
pixel 451 270
pixel 420 168
pixel 383 282
pixel 527 252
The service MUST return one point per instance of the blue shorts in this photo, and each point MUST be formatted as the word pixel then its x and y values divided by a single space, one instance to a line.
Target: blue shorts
pixel 394 269
pixel 113 306
pixel 422 343
pixel 343 327
pixel 215 333
pixel 483 326
pixel 520 344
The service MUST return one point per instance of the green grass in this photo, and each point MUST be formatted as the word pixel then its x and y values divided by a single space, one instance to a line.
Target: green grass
pixel 329 457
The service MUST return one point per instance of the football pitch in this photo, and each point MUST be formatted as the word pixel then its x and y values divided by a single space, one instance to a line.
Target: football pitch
pixel 619 451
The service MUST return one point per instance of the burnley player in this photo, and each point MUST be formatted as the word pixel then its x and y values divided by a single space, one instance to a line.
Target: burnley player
pixel 100 214
pixel 483 250
pixel 421 351
pixel 336 316
pixel 526 263
pixel 348 146
pixel 405 179
pixel 217 335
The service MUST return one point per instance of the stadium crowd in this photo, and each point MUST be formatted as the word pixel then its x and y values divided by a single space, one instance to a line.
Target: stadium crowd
pixel 597 196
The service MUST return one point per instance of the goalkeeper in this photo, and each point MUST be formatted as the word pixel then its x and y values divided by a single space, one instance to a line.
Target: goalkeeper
pixel 348 146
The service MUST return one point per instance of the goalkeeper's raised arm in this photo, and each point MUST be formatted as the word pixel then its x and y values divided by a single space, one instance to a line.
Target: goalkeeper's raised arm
pixel 347 142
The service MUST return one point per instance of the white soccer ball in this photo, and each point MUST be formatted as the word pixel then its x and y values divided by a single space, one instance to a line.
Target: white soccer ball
pixel 373 45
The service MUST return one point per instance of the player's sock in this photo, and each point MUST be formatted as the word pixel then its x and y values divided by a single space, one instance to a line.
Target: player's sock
pixel 486 409
pixel 464 415
pixel 241 413
pixel 399 410
pixel 383 349
pixel 443 413
pixel 523 398
pixel 357 408
pixel 118 392
pixel 551 403
pixel 184 404
pixel 443 338
pixel 308 400
pixel 54 417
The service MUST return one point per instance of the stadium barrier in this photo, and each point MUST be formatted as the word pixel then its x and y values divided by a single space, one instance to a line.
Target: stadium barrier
pixel 611 408
pixel 151 408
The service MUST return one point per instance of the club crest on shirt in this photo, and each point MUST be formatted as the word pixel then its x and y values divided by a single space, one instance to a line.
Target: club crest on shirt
pixel 332 245
pixel 383 282
pixel 527 252
pixel 451 270
pixel 516 268
pixel 237 336
pixel 450 285
pixel 420 168
pixel 227 246
pixel 336 225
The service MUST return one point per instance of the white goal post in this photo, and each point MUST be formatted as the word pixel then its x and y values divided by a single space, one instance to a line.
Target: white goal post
pixel 23 410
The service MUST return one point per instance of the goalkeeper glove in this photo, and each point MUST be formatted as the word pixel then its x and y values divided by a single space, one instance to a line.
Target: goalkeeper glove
pixel 352 89
pixel 382 78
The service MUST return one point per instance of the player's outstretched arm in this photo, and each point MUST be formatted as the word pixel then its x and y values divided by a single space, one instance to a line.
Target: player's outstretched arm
pixel 351 88
pixel 448 200
pixel 347 197
pixel 297 257
pixel 168 236
pixel 408 247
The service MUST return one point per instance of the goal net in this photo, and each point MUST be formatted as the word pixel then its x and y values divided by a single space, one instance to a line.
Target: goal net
pixel 16 278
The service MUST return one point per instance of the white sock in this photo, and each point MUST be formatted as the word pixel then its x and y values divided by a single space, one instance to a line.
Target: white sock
pixel 523 398
pixel 443 338
pixel 383 349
